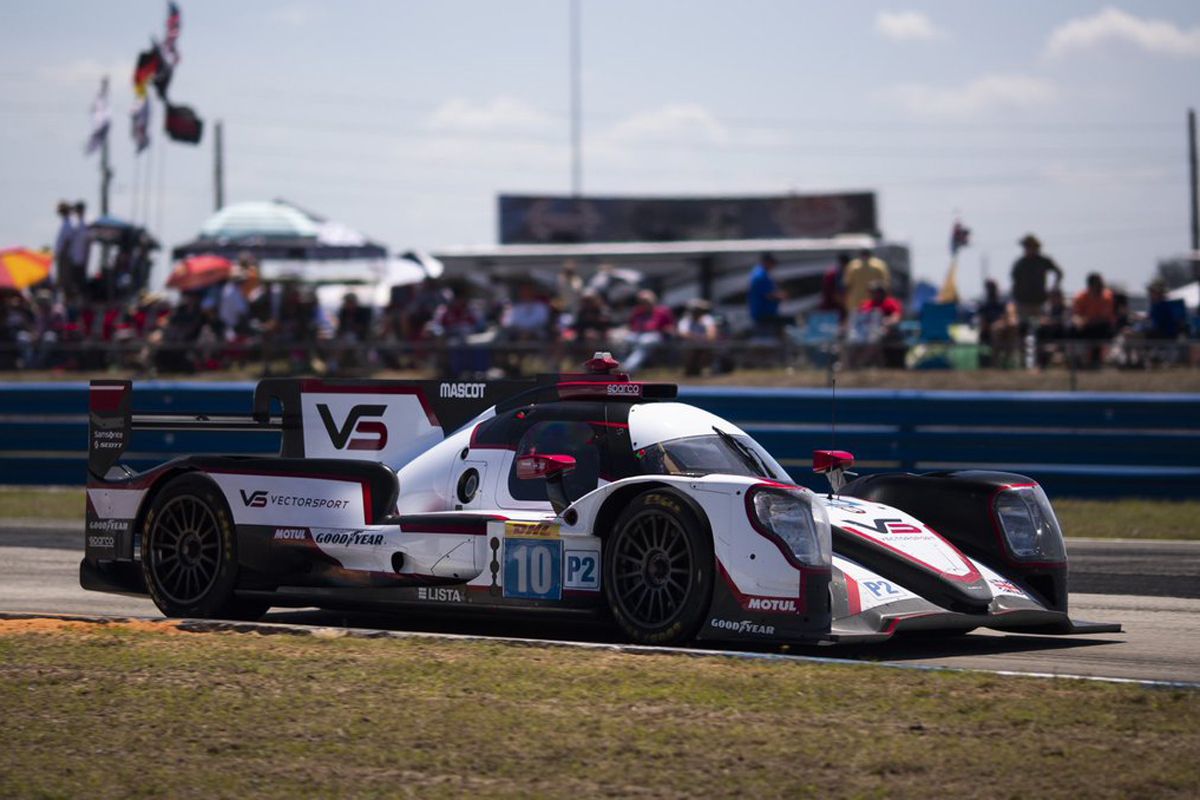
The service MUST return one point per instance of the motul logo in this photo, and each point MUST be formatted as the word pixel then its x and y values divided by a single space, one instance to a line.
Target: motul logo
pixel 257 499
pixel 374 431
pixel 776 605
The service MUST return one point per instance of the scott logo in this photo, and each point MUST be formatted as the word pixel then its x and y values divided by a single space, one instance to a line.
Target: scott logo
pixel 256 499
pixel 340 436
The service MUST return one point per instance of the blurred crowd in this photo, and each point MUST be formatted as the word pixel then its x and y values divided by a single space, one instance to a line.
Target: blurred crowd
pixel 523 325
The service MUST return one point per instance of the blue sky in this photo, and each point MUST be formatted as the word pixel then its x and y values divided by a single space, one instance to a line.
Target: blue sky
pixel 405 119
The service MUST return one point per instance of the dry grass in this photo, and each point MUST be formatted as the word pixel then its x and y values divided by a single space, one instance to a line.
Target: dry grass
pixel 110 711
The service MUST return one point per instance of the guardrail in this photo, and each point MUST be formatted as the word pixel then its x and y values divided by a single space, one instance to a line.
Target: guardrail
pixel 1075 444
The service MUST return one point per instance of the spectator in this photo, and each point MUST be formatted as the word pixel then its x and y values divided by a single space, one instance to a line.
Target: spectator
pixel 229 305
pixel 764 298
pixel 859 276
pixel 1052 327
pixel 1162 319
pixel 592 322
pixel 353 331
pixel 453 323
pixel 80 249
pixel 650 326
pixel 570 287
pixel 1029 281
pixel 699 331
pixel 1093 316
pixel 998 326
pixel 62 247
pixel 878 329
pixel 833 292
pixel 527 319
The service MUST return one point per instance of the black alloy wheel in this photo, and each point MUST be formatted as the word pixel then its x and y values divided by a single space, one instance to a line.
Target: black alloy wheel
pixel 658 569
pixel 189 553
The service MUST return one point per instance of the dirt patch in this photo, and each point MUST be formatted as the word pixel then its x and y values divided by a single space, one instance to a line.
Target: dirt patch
pixel 16 627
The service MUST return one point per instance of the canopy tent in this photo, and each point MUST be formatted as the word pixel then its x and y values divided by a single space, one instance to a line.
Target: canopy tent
pixel 116 231
pixel 289 241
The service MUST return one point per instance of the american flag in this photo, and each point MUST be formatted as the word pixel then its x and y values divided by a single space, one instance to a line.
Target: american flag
pixel 172 32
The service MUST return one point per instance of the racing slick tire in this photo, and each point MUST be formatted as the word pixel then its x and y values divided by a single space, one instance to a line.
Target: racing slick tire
pixel 658 569
pixel 189 553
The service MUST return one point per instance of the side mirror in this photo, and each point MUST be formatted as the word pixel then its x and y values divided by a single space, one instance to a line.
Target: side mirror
pixel 833 464
pixel 826 460
pixel 536 466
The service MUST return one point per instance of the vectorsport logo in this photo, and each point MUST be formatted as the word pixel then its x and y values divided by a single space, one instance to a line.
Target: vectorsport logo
pixel 373 434
pixel 256 499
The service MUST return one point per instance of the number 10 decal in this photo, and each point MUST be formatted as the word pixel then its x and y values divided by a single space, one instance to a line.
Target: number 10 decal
pixel 533 568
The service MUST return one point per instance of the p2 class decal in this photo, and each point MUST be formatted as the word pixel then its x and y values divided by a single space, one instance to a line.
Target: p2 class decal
pixel 533 561
pixel 582 570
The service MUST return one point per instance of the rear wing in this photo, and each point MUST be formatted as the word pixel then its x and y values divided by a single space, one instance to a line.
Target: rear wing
pixel 388 422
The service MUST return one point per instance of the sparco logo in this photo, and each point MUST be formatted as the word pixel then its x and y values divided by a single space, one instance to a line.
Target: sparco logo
pixel 257 499
pixel 624 390
pixel 439 594
pixel 373 433
pixel 461 391
pixel 778 605
pixel 349 538
pixel 742 626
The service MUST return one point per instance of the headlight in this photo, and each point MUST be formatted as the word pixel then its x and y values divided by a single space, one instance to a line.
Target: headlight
pixel 1030 529
pixel 789 517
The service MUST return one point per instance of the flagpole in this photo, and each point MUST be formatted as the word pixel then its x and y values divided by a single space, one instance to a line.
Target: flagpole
pixel 105 172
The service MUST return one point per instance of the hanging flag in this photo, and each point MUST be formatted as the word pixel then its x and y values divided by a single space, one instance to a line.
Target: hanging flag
pixel 173 23
pixel 101 117
pixel 148 62
pixel 960 237
pixel 140 124
pixel 182 124
pixel 162 78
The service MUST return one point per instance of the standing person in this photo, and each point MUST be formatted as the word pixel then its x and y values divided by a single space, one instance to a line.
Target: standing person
pixel 570 287
pixel 80 247
pixel 62 247
pixel 763 299
pixel 860 275
pixel 996 320
pixel 1029 289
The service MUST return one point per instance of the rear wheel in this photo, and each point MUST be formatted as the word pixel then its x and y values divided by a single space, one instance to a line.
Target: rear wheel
pixel 658 569
pixel 189 553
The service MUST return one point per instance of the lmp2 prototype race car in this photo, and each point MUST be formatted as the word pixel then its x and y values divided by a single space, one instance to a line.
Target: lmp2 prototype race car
pixel 581 494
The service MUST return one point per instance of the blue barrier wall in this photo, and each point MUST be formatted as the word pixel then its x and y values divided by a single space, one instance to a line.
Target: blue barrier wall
pixel 1075 444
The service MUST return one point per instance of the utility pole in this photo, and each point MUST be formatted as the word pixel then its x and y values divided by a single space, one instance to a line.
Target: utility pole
pixel 218 168
pixel 576 106
pixel 1192 183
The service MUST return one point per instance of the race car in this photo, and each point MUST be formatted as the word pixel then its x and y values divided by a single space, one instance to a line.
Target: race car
pixel 587 494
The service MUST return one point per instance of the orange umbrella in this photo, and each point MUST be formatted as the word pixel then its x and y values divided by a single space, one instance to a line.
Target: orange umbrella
pixel 199 272
pixel 21 268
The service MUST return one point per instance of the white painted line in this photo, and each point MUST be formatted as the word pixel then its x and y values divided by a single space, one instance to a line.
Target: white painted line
pixel 207 625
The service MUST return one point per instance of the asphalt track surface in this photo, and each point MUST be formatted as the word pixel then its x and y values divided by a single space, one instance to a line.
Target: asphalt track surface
pixel 1151 588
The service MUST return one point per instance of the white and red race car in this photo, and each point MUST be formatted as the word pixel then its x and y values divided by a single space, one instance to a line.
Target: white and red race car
pixel 572 494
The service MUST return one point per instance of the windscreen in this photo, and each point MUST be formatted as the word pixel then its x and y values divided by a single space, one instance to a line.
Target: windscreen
pixel 710 454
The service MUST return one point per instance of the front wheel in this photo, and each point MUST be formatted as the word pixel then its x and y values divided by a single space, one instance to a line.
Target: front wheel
pixel 658 569
pixel 189 553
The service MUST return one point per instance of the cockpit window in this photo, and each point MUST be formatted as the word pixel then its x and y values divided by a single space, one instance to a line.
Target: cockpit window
pixel 710 454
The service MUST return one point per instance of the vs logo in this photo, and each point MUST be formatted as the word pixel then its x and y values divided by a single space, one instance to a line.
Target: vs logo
pixel 356 423
pixel 256 499
pixel 889 526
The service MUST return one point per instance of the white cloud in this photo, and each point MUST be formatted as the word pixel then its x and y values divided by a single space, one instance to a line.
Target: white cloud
pixel 982 95
pixel 1113 26
pixel 906 26
pixel 673 122
pixel 496 115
